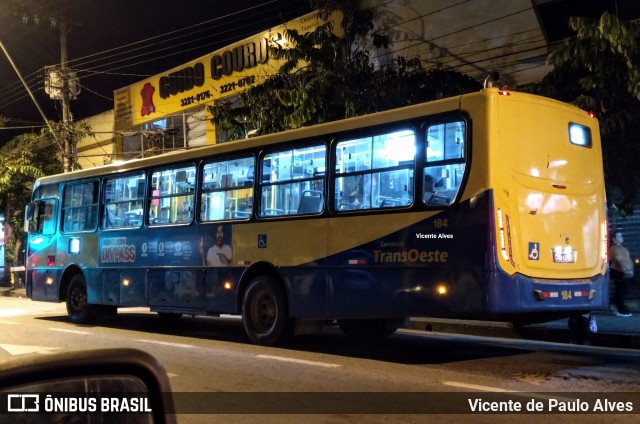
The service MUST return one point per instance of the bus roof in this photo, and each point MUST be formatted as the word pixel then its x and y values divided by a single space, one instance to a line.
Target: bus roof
pixel 305 133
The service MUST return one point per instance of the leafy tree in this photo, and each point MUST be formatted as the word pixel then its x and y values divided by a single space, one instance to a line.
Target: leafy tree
pixel 17 174
pixel 326 77
pixel 22 160
pixel 598 69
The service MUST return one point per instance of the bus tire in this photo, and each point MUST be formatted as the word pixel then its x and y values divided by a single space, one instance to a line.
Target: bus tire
pixel 264 313
pixel 78 307
pixel 369 329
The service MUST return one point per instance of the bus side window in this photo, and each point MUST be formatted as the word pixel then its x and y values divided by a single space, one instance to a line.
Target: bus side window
pixel 123 197
pixel 292 181
pixel 46 221
pixel 227 189
pixel 80 206
pixel 172 196
pixel 445 159
pixel 375 172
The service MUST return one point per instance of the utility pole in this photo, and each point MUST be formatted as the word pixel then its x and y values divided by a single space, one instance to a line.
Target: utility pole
pixel 67 117
pixel 61 84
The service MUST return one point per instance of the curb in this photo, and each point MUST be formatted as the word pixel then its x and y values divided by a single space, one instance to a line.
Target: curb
pixel 555 331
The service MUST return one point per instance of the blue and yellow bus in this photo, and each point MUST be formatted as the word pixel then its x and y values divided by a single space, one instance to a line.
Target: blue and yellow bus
pixel 488 205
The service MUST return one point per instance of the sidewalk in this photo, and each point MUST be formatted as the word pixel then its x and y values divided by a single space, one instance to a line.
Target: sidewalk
pixel 613 331
pixel 9 291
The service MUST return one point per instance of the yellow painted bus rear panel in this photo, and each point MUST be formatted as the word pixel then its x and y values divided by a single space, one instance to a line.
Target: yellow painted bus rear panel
pixel 548 183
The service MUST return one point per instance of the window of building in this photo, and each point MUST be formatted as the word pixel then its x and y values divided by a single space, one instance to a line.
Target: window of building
pixel 375 172
pixel 445 157
pixel 292 181
pixel 123 201
pixel 80 207
pixel 163 135
pixel 227 189
pixel 172 196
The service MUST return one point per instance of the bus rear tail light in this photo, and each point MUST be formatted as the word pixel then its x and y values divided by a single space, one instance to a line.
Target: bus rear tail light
pixel 604 247
pixel 504 230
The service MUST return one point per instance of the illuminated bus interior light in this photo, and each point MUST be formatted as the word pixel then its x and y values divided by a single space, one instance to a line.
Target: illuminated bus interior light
pixel 74 246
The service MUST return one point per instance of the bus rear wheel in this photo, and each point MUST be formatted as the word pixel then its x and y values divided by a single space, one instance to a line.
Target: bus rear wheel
pixel 78 307
pixel 264 313
pixel 369 329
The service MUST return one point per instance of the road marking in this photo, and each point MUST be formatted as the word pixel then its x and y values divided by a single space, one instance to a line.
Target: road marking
pixel 499 390
pixel 64 330
pixel 299 361
pixel 22 349
pixel 475 387
pixel 186 346
pixel 13 312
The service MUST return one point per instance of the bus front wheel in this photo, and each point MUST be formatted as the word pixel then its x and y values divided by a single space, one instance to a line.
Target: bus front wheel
pixel 78 307
pixel 264 312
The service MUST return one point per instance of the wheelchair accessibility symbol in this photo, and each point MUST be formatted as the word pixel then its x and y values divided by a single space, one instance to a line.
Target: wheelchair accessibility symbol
pixel 262 241
pixel 534 251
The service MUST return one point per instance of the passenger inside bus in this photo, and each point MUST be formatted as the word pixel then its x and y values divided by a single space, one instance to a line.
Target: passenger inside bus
pixel 46 221
pixel 429 189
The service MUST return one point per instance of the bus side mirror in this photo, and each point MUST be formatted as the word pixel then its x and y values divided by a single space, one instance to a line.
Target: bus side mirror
pixel 28 216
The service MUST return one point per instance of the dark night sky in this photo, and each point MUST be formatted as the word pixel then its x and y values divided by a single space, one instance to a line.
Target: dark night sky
pixel 159 35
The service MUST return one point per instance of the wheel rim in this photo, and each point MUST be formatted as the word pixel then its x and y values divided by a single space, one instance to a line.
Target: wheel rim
pixel 78 299
pixel 264 312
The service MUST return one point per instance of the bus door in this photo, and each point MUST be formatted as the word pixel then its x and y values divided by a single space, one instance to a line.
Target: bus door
pixel 40 224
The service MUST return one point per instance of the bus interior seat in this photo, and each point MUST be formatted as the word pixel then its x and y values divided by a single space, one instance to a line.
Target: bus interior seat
pixel 438 200
pixel 312 201
pixel 348 206
pixel 390 203
pixel 241 214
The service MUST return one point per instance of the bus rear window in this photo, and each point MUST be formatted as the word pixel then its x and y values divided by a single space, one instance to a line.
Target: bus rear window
pixel 579 135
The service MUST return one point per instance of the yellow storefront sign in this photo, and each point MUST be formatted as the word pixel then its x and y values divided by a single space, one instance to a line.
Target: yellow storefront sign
pixel 189 87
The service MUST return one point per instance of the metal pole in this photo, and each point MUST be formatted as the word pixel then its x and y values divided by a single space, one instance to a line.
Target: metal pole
pixel 67 118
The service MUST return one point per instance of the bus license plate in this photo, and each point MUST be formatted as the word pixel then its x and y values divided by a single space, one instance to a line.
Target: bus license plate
pixel 563 257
